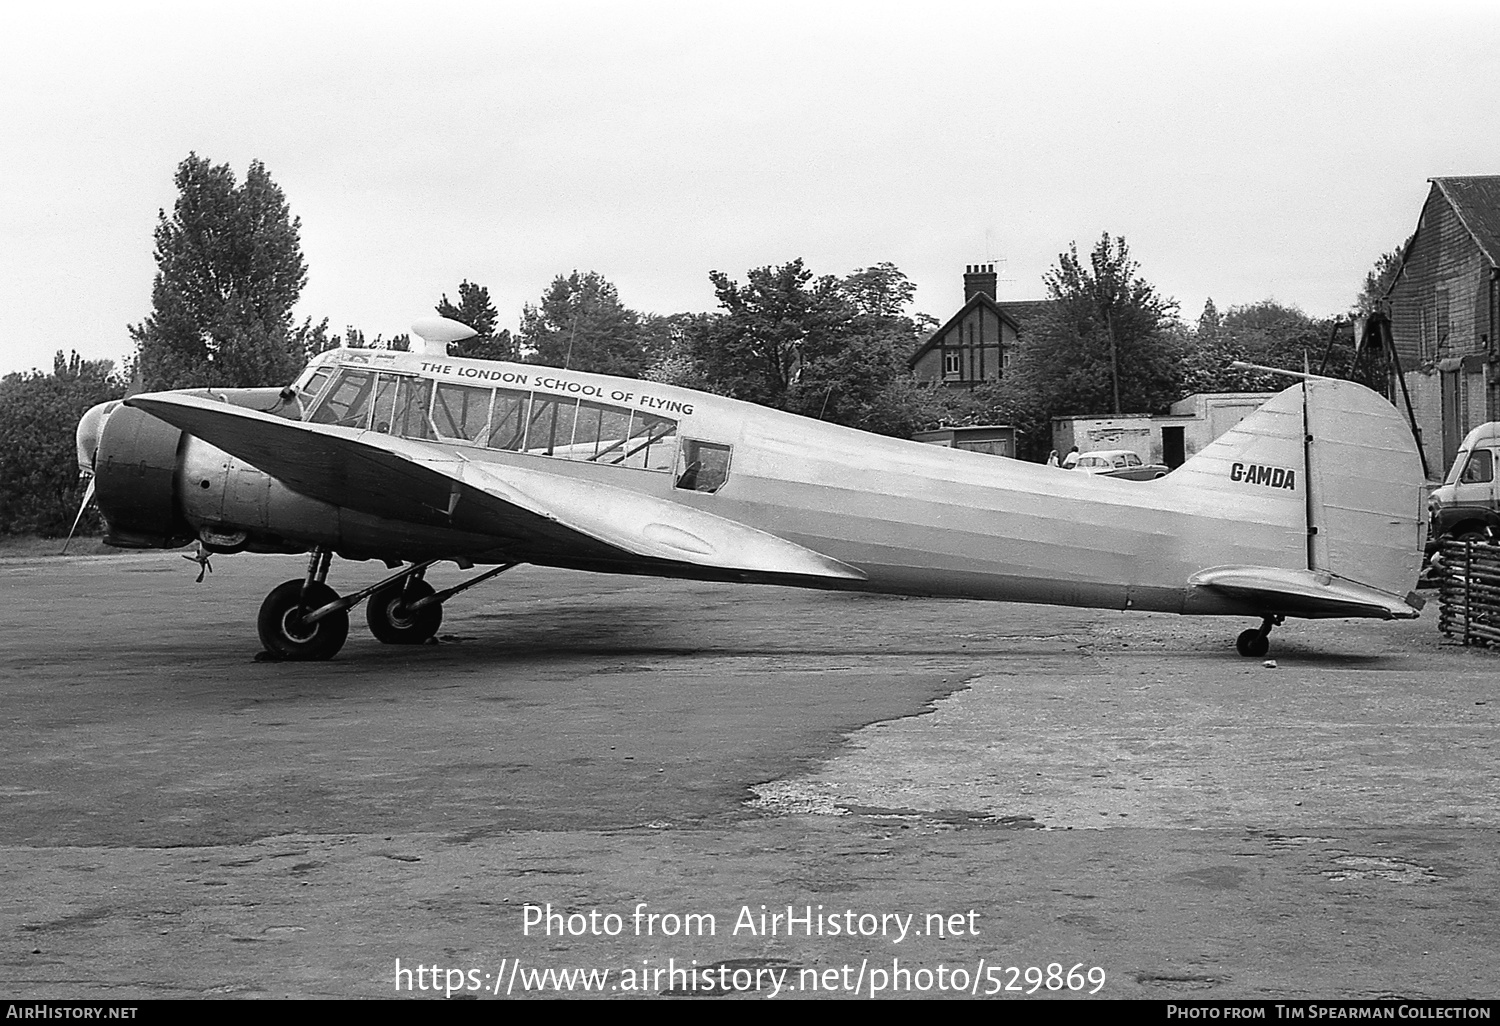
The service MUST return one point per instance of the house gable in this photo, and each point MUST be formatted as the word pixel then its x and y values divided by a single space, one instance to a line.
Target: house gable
pixel 1444 309
pixel 1442 303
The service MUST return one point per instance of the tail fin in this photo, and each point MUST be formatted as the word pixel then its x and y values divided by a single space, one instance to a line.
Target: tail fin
pixel 1341 458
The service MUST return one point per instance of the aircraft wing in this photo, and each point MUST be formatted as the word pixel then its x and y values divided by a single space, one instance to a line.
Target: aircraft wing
pixel 1305 593
pixel 529 510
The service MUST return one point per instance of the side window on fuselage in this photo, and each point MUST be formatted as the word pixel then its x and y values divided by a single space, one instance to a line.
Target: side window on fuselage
pixel 461 412
pixel 508 419
pixel 702 466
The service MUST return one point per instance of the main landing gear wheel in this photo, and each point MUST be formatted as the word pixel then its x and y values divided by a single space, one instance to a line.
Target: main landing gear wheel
pixel 390 617
pixel 285 633
pixel 1253 643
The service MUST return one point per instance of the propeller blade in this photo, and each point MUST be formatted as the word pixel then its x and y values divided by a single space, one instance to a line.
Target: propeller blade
pixel 88 495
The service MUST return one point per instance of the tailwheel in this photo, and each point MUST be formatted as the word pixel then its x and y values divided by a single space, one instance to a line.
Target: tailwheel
pixel 393 621
pixel 285 632
pixel 1256 643
pixel 1252 643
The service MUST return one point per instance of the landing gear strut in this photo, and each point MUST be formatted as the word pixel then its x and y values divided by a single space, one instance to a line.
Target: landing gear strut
pixel 286 625
pixel 307 619
pixel 1255 643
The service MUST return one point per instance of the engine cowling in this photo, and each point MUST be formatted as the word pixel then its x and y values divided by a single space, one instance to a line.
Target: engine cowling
pixel 159 488
pixel 135 481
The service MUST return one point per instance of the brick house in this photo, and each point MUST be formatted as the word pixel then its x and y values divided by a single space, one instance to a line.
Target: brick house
pixel 975 344
pixel 1444 313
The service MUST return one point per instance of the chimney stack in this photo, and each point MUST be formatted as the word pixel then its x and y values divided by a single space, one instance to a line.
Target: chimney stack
pixel 980 278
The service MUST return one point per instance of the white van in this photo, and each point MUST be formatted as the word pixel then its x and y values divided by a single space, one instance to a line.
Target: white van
pixel 1465 505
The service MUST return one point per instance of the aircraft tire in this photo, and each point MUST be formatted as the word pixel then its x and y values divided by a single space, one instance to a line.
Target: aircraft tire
pixel 1252 644
pixel 284 635
pixel 391 624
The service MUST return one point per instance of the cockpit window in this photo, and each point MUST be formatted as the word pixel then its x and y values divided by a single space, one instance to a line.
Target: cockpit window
pixel 347 402
pixel 702 466
pixel 311 384
pixel 393 404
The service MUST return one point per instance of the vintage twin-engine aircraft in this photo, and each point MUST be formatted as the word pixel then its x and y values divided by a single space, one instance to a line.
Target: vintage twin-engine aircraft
pixel 1311 507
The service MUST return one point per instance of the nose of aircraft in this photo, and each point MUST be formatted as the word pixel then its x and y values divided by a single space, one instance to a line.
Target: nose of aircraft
pixel 90 431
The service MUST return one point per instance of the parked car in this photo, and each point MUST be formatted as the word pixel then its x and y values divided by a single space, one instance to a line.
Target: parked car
pixel 1119 463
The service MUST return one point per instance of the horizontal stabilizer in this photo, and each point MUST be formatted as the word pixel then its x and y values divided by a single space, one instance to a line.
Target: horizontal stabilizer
pixel 531 511
pixel 1305 593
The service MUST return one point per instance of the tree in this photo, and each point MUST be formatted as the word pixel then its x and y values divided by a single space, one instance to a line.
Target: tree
pixel 475 309
pixel 1106 341
pixel 1104 331
pixel 757 347
pixel 229 270
pixel 39 487
pixel 827 348
pixel 318 340
pixel 676 341
pixel 582 325
pixel 1380 279
pixel 355 339
pixel 879 291
pixel 1209 321
pixel 856 375
pixel 1269 334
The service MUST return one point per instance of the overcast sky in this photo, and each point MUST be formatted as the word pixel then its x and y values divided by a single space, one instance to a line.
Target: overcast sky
pixel 1245 152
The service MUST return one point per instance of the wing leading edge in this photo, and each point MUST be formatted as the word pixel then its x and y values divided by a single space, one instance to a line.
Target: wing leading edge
pixel 1305 593
pixel 425 484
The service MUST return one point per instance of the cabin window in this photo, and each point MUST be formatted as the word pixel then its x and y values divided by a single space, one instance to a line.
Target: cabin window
pixel 347 402
pixel 461 412
pixel 563 427
pixel 409 415
pixel 702 466
pixel 651 444
pixel 595 433
pixel 380 405
pixel 400 405
pixel 1480 469
pixel 599 433
pixel 550 428
pixel 508 419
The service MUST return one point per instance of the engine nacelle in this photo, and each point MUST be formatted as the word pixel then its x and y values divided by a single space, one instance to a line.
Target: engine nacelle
pixel 135 475
pixel 159 488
